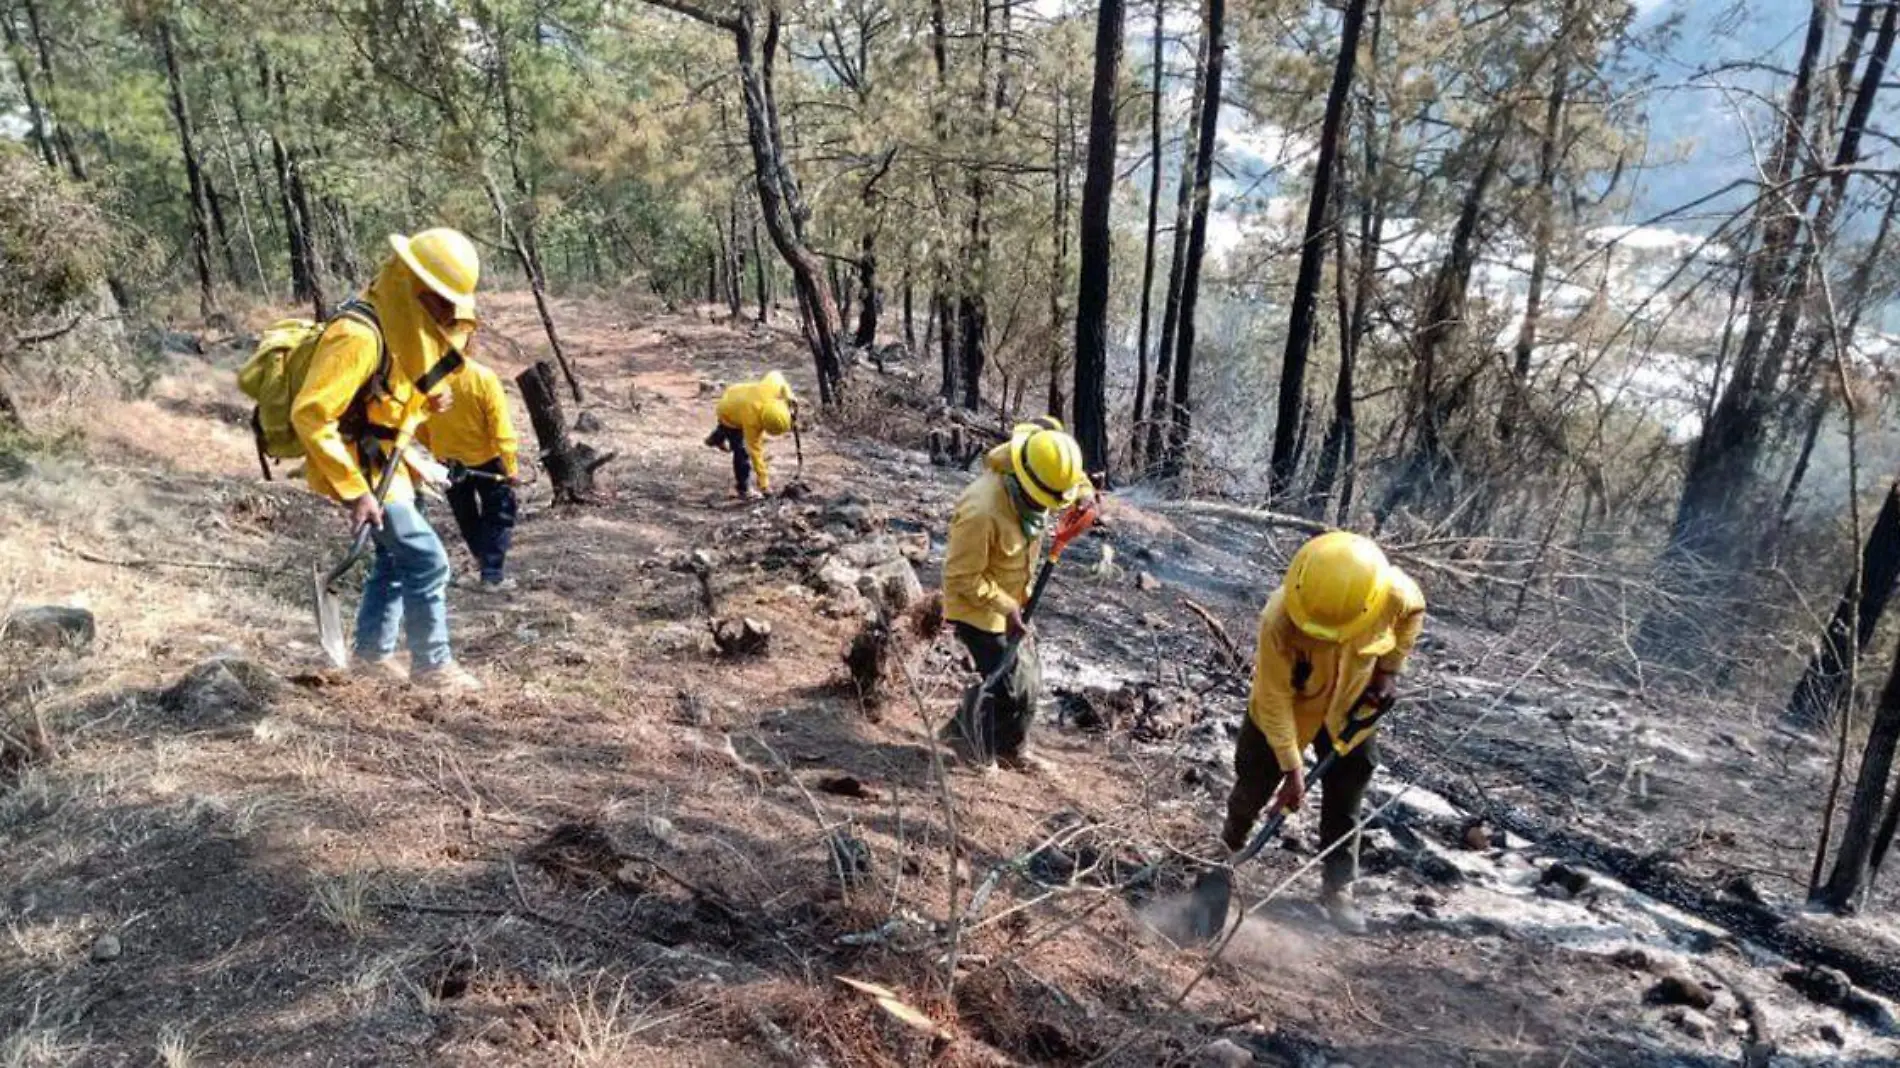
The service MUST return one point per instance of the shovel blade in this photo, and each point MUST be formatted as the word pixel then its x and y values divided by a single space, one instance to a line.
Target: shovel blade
pixel 329 610
pixel 1207 903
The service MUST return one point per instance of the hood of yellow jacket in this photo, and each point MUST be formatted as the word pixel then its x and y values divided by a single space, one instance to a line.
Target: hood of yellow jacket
pixel 416 342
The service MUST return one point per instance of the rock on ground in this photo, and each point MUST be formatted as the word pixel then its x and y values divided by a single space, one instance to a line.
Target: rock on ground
pixel 1223 1053
pixel 51 627
pixel 221 690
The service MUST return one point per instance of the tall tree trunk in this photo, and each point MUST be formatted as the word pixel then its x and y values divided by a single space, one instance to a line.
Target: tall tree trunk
pixel 1853 856
pixel 910 321
pixel 1059 262
pixel 1160 412
pixel 946 346
pixel 763 276
pixel 1434 403
pixel 1304 318
pixel 37 125
pixel 306 276
pixel 1855 301
pixel 1207 129
pixel 49 85
pixel 194 174
pixel 1515 405
pixel 1721 467
pixel 226 242
pixel 1136 431
pixel 531 266
pixel 244 208
pixel 1343 424
pixel 1822 689
pixel 1096 243
pixel 735 262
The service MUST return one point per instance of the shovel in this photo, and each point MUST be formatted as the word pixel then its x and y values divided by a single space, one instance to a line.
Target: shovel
pixel 1073 524
pixel 1214 889
pixel 323 592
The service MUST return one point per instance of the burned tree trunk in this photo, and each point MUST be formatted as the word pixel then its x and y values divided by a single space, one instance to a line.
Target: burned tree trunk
pixel 570 465
pixel 520 239
pixel 1158 408
pixel 1288 429
pixel 1852 859
pixel 194 173
pixel 1822 689
pixel 37 125
pixel 1543 234
pixel 1136 436
pixel 1181 427
pixel 1095 247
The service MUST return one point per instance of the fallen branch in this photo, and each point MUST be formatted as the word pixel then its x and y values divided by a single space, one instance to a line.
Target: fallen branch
pixel 1237 660
pixel 142 563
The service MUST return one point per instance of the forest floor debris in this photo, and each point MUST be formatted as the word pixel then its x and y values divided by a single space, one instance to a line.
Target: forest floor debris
pixel 630 835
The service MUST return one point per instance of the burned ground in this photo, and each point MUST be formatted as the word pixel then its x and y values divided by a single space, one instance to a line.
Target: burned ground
pixel 632 849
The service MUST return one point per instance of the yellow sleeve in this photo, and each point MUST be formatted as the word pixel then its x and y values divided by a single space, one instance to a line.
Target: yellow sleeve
pixel 1407 627
pixel 755 446
pixel 345 359
pixel 966 563
pixel 1270 703
pixel 507 442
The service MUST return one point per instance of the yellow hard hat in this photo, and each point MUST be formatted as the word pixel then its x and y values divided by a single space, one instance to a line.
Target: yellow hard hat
pixel 777 385
pixel 776 417
pixel 1049 465
pixel 1337 586
pixel 446 261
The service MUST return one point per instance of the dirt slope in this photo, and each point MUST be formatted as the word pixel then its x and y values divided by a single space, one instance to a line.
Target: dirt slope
pixel 631 851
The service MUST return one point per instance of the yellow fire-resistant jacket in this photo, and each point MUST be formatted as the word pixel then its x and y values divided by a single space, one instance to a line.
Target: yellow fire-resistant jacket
pixel 1301 683
pixel 742 407
pixel 986 567
pixel 346 358
pixel 478 428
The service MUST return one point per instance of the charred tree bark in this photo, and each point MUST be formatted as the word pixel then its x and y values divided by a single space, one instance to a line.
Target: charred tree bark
pixel 1543 233
pixel 1096 246
pixel 1721 467
pixel 946 345
pixel 1207 129
pixel 1431 463
pixel 306 276
pixel 570 465
pixel 194 173
pixel 1343 426
pixel 1160 412
pixel 1136 436
pixel 1822 689
pixel 1855 854
pixel 762 275
pixel 1287 431
pixel 781 204
pixel 910 321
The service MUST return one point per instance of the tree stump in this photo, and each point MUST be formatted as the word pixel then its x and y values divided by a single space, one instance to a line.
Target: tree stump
pixel 570 464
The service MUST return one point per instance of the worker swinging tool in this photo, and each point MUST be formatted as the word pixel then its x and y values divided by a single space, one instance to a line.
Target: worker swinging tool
pixel 1333 640
pixel 1034 480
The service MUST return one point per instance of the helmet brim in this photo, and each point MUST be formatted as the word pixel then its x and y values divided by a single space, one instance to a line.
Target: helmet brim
pixel 464 305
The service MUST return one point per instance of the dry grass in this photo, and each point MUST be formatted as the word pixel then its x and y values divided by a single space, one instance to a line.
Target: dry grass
pixel 343 902
pixel 42 1042
pixel 178 1047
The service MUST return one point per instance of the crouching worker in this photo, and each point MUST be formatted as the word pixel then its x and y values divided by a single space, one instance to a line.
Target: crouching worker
pixel 477 434
pixel 750 412
pixel 996 535
pixel 1338 630
pixel 377 364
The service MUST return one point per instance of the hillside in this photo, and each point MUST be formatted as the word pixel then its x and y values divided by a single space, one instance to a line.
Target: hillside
pixel 630 850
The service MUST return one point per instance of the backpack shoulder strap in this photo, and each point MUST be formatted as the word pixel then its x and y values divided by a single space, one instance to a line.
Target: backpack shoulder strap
pixel 364 312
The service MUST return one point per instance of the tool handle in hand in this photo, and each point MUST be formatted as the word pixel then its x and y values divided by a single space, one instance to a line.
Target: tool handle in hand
pixel 359 544
pixel 1355 726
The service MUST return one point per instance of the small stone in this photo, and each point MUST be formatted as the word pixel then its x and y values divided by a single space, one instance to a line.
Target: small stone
pixel 1691 1023
pixel 836 578
pixel 588 423
pixel 1572 880
pixel 1680 990
pixel 106 948
pixel 1223 1053
pixel 894 586
pixel 1742 888
pixel 1477 837
pixel 1427 904
pixel 1632 958
pixel 50 627
pixel 1147 582
pixel 1831 1035
pixel 663 829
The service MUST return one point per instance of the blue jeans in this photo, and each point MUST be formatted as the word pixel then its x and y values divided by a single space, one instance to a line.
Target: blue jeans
pixel 485 512
pixel 406 586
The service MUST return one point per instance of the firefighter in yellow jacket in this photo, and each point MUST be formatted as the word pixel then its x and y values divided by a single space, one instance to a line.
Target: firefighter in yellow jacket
pixel 750 412
pixel 1338 629
pixel 375 369
pixel 476 436
pixel 995 538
